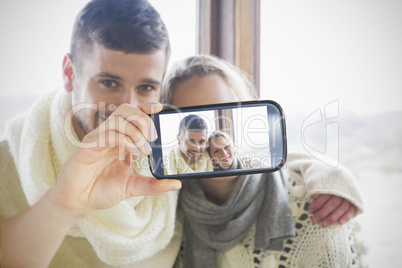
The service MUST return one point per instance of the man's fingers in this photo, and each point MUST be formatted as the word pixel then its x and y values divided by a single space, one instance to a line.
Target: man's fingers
pixel 133 138
pixel 125 144
pixel 136 117
pixel 143 185
pixel 162 186
pixel 117 131
pixel 151 107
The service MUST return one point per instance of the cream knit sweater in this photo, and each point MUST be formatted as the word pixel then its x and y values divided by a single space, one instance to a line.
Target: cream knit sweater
pixel 313 246
pixel 177 165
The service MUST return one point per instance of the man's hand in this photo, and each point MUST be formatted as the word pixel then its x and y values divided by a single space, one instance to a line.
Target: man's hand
pixel 329 209
pixel 99 174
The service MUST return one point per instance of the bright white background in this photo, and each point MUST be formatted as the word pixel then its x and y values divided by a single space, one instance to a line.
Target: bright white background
pixel 313 53
pixel 35 35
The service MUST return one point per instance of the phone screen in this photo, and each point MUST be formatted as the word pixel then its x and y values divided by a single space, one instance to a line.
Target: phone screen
pixel 218 140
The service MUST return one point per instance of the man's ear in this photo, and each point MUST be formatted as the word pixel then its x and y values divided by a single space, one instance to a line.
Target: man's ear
pixel 178 138
pixel 68 73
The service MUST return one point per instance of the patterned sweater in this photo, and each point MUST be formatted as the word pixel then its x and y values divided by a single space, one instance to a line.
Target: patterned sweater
pixel 313 246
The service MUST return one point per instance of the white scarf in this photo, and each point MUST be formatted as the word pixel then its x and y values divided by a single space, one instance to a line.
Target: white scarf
pixel 177 165
pixel 131 231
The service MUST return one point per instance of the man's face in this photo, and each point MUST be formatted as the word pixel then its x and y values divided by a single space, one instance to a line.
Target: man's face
pixel 110 78
pixel 192 145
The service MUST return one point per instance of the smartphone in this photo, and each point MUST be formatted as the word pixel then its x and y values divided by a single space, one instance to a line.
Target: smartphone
pixel 218 140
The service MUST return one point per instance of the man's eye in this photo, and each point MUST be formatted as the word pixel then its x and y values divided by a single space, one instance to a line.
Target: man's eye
pixel 227 147
pixel 146 88
pixel 109 83
pixel 216 151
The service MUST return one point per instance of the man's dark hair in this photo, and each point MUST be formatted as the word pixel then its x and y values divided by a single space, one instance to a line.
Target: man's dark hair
pixel 130 26
pixel 193 123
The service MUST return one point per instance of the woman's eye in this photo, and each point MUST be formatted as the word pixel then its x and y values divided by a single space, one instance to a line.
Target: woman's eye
pixel 227 147
pixel 146 88
pixel 109 83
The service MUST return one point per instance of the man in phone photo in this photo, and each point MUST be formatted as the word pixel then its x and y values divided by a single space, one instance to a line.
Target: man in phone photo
pixel 189 154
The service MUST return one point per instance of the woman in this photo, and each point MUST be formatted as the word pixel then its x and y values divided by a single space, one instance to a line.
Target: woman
pixel 222 151
pixel 260 220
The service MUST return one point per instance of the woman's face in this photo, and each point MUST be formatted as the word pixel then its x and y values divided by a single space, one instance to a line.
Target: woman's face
pixel 211 89
pixel 221 152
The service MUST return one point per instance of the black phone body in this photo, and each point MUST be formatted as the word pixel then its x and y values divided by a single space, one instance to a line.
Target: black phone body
pixel 256 128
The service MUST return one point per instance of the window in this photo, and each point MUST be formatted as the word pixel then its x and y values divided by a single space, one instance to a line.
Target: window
pixel 314 53
pixel 180 19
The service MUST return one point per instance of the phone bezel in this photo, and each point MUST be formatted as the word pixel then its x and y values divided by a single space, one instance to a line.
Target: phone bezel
pixel 255 103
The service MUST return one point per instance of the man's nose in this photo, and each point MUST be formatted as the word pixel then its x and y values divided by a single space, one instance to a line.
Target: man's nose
pixel 130 97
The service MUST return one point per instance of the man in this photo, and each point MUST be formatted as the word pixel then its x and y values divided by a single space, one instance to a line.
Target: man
pixel 189 155
pixel 67 186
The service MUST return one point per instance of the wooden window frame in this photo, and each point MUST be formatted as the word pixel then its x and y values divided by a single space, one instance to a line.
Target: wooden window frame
pixel 230 29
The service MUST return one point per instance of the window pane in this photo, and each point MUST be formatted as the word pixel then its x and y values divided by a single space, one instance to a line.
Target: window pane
pixel 180 19
pixel 346 56
pixel 316 52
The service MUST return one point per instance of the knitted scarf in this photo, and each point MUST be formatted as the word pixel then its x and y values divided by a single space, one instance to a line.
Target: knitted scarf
pixel 257 199
pixel 41 141
pixel 177 164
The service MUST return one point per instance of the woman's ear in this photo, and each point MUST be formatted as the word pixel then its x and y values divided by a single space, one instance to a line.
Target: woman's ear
pixel 68 73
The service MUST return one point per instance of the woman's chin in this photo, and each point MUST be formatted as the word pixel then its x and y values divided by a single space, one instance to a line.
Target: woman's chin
pixel 225 166
pixel 223 179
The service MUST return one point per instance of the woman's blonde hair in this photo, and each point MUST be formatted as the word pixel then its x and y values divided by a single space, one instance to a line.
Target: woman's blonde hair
pixel 217 134
pixel 202 66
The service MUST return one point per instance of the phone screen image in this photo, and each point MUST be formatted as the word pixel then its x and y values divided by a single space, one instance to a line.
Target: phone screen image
pixel 218 140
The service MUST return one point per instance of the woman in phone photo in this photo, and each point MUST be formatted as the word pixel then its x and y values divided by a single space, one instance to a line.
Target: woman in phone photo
pixel 222 150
